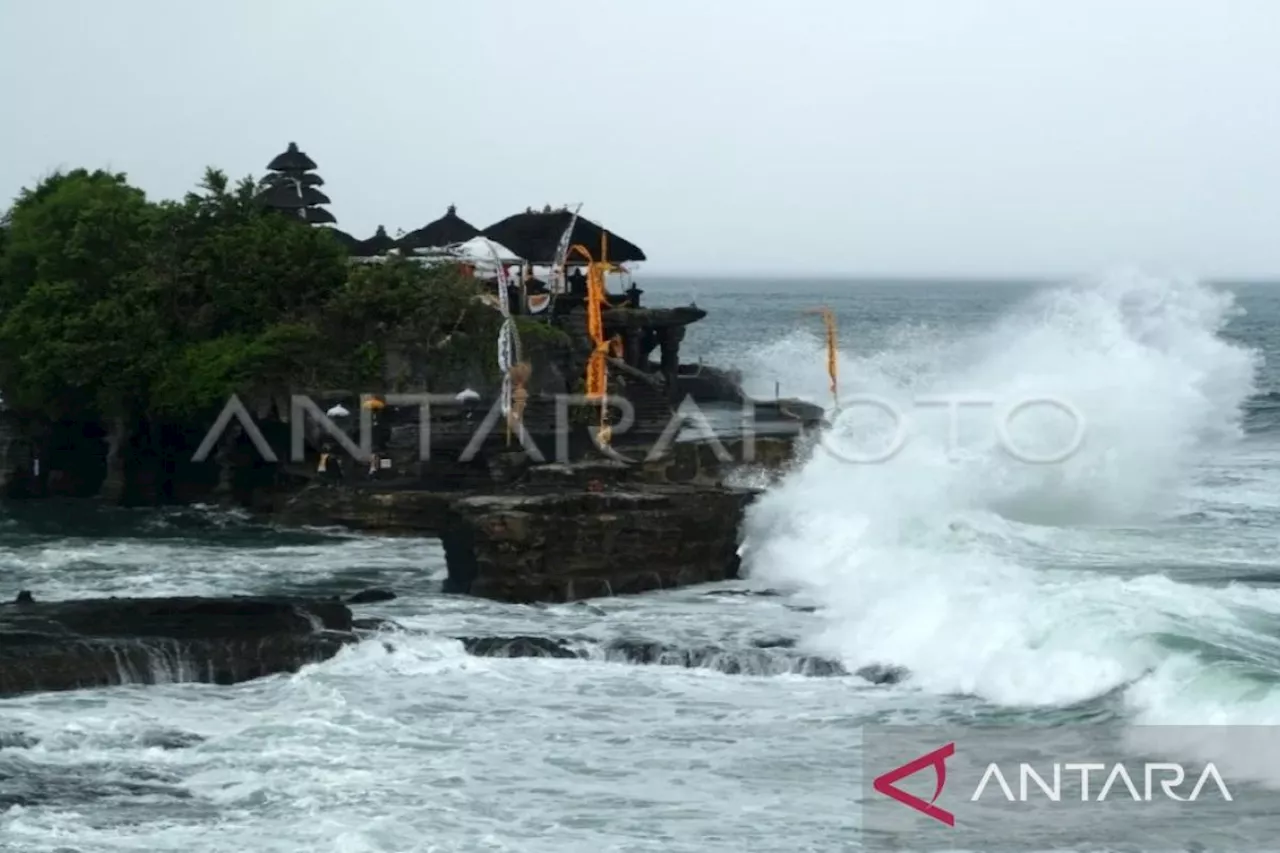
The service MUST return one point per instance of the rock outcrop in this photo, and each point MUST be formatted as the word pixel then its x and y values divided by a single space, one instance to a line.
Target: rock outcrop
pixel 564 532
pixel 67 645
pixel 569 545
pixel 419 504
pixel 372 506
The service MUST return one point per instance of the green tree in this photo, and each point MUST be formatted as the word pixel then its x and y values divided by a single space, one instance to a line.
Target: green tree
pixel 244 289
pixel 77 326
pixel 113 307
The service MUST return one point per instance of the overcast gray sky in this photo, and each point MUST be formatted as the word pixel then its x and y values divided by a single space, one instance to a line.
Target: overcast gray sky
pixel 892 137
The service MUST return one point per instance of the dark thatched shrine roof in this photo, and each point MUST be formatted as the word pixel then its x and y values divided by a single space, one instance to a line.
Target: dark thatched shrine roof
pixel 445 231
pixel 379 244
pixel 287 194
pixel 313 196
pixel 534 236
pixel 307 179
pixel 282 196
pixel 292 160
pixel 351 243
pixel 318 215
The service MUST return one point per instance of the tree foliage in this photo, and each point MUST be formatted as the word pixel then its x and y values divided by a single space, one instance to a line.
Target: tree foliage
pixel 114 305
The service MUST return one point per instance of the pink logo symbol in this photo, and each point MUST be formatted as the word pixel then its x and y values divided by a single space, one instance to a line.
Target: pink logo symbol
pixel 938 761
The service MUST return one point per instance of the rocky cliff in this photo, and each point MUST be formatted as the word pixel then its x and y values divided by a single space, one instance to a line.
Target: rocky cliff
pixel 67 645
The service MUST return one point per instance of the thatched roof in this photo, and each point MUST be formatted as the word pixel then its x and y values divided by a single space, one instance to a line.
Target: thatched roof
pixel 535 236
pixel 379 244
pixel 288 194
pixel 351 243
pixel 307 179
pixel 313 196
pixel 445 231
pixel 318 215
pixel 292 160
pixel 282 196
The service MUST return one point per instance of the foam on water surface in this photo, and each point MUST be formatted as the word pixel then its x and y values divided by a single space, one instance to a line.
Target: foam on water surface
pixel 1116 585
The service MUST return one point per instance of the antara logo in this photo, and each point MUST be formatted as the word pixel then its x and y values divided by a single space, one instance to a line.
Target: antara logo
pixel 1027 775
pixel 938 761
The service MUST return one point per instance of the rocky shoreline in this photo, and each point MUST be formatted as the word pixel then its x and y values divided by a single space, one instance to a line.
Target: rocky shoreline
pixel 564 532
pixel 525 532
pixel 92 643
pixel 70 645
pixel 555 533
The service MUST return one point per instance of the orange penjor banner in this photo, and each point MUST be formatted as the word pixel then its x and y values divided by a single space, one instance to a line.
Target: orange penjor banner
pixel 833 349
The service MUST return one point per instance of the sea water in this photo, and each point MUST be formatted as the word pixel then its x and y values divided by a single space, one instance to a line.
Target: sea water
pixel 1133 581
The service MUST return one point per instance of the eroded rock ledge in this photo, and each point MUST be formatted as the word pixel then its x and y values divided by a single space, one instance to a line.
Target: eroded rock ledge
pixel 567 546
pixel 66 645
pixel 568 531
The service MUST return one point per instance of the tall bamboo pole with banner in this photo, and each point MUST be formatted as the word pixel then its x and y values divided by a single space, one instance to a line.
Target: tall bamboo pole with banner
pixel 597 378
pixel 562 257
pixel 829 320
pixel 515 370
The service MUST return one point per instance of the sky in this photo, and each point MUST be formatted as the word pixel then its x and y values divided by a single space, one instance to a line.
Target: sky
pixel 962 138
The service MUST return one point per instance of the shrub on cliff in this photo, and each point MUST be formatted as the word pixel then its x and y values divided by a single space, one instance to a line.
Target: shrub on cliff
pixel 428 316
pixel 114 306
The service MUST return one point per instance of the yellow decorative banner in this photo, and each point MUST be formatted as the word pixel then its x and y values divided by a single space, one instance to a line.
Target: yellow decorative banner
pixel 833 349
pixel 597 378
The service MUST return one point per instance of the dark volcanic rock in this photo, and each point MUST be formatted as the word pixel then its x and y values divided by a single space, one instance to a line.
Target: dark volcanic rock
pixel 516 647
pixel 881 674
pixel 369 507
pixel 570 545
pixel 774 643
pixel 66 645
pixel 371 596
pixel 706 384
pixel 760 661
pixel 756 593
pixel 375 624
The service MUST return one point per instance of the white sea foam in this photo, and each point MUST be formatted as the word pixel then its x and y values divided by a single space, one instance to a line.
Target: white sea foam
pixel 922 561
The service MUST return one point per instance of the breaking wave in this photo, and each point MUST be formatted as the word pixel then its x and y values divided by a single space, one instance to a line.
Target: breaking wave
pixel 970 568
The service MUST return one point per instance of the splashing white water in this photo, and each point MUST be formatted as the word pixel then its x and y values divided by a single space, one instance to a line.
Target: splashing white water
pixel 916 559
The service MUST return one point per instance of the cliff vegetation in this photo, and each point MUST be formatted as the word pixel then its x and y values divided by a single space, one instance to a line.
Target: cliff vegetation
pixel 115 307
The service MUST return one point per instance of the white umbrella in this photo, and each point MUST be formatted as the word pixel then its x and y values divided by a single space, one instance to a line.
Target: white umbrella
pixel 484 249
pixel 466 394
pixel 478 251
pixel 338 411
